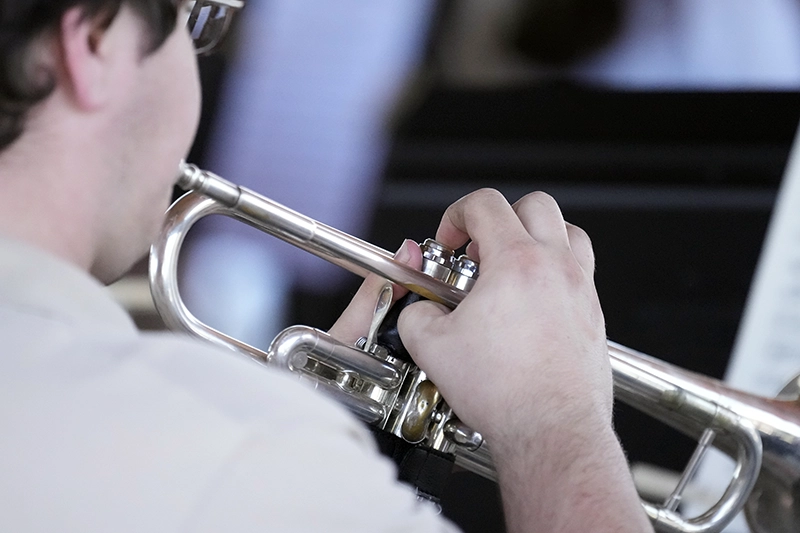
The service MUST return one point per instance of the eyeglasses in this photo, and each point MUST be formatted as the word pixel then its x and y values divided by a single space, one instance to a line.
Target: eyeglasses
pixel 208 21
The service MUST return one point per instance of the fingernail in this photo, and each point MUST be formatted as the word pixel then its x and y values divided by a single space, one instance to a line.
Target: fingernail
pixel 402 253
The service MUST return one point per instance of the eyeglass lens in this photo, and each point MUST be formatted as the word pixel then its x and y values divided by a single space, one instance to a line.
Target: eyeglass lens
pixel 207 24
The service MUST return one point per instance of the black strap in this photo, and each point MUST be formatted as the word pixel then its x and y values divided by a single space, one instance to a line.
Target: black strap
pixel 426 469
pixel 388 335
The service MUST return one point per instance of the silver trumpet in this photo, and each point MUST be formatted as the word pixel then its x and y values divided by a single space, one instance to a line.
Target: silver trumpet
pixel 762 435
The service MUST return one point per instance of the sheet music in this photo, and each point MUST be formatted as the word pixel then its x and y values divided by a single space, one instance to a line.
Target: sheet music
pixel 766 354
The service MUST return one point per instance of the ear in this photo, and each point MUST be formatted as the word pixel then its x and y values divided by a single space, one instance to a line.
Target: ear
pixel 86 65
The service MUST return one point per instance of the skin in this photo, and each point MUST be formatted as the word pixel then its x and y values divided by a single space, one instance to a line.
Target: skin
pixel 526 364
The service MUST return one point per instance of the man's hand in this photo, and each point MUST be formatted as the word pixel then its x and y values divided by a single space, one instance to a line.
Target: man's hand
pixel 527 346
pixel 524 360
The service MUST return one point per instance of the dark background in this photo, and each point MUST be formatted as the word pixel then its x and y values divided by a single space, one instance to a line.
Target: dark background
pixel 674 188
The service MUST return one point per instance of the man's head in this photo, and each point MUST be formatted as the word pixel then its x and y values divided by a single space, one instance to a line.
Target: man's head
pixel 99 101
pixel 24 22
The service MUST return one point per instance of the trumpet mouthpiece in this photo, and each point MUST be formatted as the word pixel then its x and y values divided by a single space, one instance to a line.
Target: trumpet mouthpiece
pixel 192 178
pixel 189 176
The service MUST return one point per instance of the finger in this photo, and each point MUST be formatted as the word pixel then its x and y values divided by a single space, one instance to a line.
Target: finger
pixel 542 218
pixel 417 324
pixel 410 254
pixel 473 251
pixel 356 318
pixel 581 246
pixel 484 216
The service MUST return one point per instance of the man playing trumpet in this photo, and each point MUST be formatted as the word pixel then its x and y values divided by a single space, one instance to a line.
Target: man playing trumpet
pixel 108 428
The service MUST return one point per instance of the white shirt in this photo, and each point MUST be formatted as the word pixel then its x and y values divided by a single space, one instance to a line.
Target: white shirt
pixel 105 428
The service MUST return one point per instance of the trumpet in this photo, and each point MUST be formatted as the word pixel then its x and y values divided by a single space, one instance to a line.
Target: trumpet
pixel 762 435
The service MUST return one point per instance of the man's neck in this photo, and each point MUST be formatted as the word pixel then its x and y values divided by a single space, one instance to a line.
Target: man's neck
pixel 42 203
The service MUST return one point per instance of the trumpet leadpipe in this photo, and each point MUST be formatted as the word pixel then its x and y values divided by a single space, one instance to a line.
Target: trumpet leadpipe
pixel 337 247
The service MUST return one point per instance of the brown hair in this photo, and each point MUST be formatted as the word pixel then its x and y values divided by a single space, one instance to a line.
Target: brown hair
pixel 22 21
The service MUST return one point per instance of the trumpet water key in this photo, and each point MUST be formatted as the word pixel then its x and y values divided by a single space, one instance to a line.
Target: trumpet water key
pixel 382 386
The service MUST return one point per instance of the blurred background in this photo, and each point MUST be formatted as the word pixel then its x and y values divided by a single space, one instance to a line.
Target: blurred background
pixel 661 127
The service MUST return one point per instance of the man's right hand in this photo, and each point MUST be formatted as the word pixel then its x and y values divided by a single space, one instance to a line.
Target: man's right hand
pixel 524 360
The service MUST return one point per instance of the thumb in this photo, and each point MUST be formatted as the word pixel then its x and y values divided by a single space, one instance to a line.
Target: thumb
pixel 419 323
pixel 356 318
